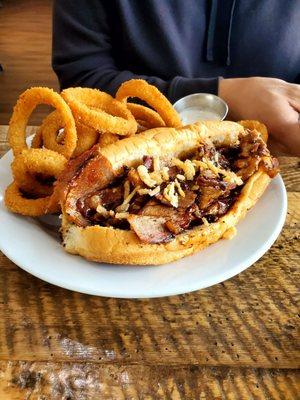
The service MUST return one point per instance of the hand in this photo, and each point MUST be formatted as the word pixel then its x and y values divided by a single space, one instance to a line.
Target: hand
pixel 274 102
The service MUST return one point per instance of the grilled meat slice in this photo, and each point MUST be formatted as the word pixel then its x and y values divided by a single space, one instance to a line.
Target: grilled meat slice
pixel 211 188
pixel 208 195
pixel 68 177
pixel 254 154
pixel 218 208
pixel 176 219
pixel 247 166
pixel 270 166
pixel 253 144
pixel 150 229
pixel 179 222
pixel 108 198
pixel 138 202
pixel 97 174
pixel 188 200
pixel 155 209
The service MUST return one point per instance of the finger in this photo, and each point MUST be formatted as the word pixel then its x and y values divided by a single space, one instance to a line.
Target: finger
pixel 296 105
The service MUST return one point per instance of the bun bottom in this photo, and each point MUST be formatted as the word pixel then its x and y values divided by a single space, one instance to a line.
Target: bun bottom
pixel 117 246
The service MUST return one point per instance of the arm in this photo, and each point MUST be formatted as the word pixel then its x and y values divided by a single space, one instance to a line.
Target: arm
pixel 82 54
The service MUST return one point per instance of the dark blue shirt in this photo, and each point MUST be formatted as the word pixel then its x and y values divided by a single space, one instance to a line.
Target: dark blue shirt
pixel 181 46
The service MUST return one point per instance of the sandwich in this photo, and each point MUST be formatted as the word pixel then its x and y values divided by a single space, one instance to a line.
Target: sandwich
pixel 163 194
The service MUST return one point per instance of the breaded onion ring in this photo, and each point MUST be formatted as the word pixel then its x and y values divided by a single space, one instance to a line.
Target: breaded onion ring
pixel 255 125
pixel 150 118
pixel 100 111
pixel 107 138
pixel 37 140
pixel 87 137
pixel 49 129
pixel 23 109
pixel 17 203
pixel 27 181
pixel 151 95
pixel 142 126
pixel 53 123
pixel 32 162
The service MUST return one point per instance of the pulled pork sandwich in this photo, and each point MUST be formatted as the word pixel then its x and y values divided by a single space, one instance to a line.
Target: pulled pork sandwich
pixel 164 194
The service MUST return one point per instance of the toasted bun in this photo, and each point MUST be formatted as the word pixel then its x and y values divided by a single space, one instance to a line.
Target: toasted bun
pixel 118 246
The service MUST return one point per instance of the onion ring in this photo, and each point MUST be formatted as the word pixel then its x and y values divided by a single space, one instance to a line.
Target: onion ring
pixel 150 118
pixel 142 126
pixel 36 161
pixel 150 94
pixel 26 103
pixel 100 111
pixel 259 126
pixel 37 140
pixel 87 137
pixel 17 203
pixel 50 128
pixel 107 138
pixel 51 125
pixel 27 181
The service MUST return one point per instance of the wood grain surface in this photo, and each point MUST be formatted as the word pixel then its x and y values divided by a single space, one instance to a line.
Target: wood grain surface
pixel 25 52
pixel 235 340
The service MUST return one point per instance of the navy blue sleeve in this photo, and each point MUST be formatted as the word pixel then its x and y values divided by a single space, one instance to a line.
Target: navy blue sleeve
pixel 82 53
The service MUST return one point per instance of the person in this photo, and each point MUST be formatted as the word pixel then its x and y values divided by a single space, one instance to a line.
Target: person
pixel 247 52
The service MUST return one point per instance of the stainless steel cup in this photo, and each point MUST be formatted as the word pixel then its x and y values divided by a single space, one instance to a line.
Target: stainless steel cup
pixel 205 102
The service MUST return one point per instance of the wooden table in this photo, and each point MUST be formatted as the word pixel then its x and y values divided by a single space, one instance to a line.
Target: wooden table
pixel 235 340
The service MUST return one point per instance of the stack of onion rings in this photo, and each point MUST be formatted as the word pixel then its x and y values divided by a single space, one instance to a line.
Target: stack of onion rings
pixel 151 95
pixel 82 118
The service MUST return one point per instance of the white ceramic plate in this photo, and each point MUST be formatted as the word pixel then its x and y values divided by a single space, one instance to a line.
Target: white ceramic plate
pixel 34 246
